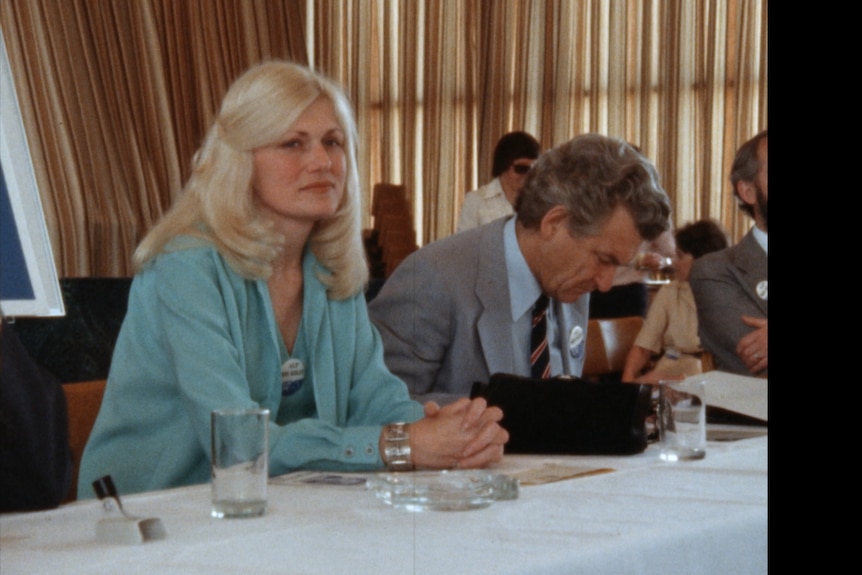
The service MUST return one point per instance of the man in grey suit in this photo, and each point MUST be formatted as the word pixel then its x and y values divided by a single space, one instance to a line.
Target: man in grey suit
pixel 731 286
pixel 461 309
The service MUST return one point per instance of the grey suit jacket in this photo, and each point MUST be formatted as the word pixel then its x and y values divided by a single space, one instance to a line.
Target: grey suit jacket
pixel 445 318
pixel 725 286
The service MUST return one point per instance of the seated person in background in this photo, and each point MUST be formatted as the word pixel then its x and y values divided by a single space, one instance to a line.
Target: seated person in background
pixel 463 308
pixel 35 458
pixel 514 154
pixel 249 293
pixel 671 323
pixel 731 286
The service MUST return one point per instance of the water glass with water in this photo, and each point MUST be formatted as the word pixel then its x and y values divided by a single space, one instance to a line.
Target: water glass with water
pixel 240 462
pixel 682 419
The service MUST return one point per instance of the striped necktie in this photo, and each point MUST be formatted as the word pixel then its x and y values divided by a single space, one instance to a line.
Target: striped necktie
pixel 540 357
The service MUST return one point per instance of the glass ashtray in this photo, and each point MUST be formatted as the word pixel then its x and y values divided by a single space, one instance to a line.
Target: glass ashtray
pixel 448 490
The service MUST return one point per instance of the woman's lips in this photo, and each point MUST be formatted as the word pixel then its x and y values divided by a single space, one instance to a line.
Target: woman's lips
pixel 324 186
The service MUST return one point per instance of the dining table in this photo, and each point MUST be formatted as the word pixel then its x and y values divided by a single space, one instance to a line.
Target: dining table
pixel 596 514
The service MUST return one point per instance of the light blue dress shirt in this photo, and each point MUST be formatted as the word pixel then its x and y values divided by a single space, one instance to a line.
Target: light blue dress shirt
pixel 524 290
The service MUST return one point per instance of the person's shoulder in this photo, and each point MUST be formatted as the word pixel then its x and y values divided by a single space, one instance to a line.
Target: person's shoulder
pixel 472 197
pixel 491 189
pixel 747 255
pixel 185 251
pixel 467 242
pixel 186 261
pixel 708 264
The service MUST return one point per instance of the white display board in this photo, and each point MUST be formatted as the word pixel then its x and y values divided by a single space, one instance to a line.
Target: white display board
pixel 28 276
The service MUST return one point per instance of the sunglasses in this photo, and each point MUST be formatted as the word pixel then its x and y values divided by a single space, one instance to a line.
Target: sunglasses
pixel 521 169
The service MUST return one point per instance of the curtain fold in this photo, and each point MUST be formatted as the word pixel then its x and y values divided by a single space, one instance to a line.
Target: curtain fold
pixel 116 95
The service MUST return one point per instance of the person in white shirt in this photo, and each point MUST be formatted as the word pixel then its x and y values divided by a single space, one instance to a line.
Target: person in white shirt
pixel 670 329
pixel 513 156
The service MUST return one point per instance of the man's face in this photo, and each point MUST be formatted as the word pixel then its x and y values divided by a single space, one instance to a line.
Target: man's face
pixel 761 186
pixel 756 192
pixel 568 267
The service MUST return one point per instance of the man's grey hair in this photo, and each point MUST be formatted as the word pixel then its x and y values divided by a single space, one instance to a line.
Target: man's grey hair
pixel 590 176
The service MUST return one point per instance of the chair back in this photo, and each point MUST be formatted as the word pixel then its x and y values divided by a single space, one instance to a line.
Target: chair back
pixel 392 236
pixel 608 344
pixel 388 199
pixel 83 401
pixel 707 361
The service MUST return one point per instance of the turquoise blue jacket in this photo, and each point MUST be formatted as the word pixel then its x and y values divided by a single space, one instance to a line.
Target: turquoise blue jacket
pixel 197 337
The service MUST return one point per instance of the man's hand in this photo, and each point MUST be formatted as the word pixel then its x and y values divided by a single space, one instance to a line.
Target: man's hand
pixel 753 349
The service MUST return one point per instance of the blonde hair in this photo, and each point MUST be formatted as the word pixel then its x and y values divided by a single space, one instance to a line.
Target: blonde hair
pixel 217 203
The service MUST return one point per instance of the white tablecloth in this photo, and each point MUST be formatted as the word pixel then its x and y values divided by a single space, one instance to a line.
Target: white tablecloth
pixel 648 516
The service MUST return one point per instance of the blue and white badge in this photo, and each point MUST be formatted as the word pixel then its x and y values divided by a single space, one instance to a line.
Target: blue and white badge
pixel 292 376
pixel 577 342
pixel 763 290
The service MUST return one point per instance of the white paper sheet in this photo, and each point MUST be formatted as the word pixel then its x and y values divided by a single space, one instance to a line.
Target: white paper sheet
pixel 739 393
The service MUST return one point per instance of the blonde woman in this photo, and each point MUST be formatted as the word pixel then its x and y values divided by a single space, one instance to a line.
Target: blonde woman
pixel 249 293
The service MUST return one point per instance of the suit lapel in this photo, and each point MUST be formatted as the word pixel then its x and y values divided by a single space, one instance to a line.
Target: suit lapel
pixel 751 265
pixel 572 345
pixel 492 290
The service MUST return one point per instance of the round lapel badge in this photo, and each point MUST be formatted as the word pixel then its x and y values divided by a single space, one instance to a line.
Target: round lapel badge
pixel 292 376
pixel 762 290
pixel 576 342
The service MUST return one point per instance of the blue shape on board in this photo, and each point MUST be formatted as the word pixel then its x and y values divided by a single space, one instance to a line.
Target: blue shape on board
pixel 14 279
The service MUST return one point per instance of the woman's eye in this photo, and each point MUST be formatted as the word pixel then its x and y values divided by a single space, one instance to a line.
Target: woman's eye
pixel 291 143
pixel 334 143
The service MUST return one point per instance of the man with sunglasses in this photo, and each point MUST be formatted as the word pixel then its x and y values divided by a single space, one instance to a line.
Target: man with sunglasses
pixel 513 156
pixel 512 296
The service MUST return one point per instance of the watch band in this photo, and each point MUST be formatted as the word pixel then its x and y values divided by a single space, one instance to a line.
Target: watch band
pixel 396 447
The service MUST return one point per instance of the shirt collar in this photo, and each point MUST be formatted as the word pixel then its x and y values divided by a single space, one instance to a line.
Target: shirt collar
pixel 524 290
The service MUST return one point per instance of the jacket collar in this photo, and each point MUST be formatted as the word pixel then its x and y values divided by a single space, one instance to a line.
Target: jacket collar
pixel 492 289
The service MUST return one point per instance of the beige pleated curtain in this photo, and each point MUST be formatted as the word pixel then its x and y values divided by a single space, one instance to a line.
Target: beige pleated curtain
pixel 117 94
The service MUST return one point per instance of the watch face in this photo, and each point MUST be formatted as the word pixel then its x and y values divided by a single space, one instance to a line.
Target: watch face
pixel 396 447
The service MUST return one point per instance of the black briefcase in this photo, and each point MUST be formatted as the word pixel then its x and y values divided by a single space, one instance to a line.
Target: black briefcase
pixel 569 415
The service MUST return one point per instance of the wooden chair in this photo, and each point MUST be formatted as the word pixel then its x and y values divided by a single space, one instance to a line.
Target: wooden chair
pixel 388 197
pixel 608 344
pixel 395 226
pixel 390 212
pixel 83 401
pixel 394 254
pixel 707 361
pixel 396 237
pixel 390 201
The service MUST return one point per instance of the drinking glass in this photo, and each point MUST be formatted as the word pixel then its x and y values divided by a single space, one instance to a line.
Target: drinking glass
pixel 240 466
pixel 682 419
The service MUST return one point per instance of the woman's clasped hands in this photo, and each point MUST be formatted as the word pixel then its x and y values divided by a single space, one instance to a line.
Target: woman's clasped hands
pixel 463 434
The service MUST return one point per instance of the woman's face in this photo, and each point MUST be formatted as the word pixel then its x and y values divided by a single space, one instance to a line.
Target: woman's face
pixel 300 178
pixel 683 265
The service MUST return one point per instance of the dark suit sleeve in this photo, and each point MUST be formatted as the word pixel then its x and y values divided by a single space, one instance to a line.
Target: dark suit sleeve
pixel 413 314
pixel 35 458
pixel 721 302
